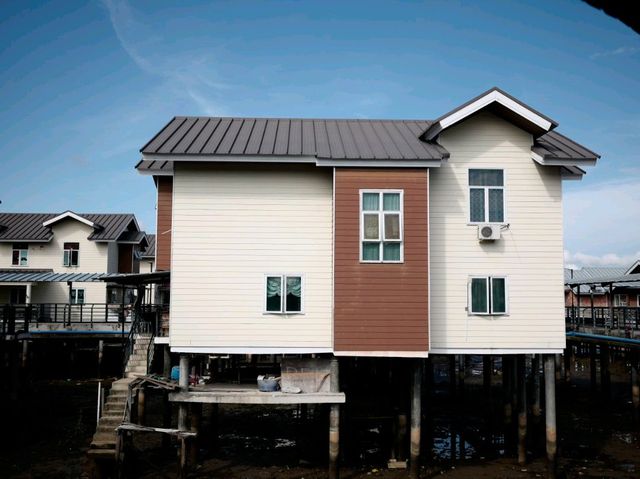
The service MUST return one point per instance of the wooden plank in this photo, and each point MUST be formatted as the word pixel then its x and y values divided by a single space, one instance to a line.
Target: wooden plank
pixel 256 397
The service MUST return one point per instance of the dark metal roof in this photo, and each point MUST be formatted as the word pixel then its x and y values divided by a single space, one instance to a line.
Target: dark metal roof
pixel 130 279
pixel 555 146
pixel 28 226
pixel 135 237
pixel 278 137
pixel 150 250
pixel 49 277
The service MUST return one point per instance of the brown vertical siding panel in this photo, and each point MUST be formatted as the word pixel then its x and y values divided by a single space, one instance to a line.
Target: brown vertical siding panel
pixel 163 233
pixel 125 258
pixel 381 307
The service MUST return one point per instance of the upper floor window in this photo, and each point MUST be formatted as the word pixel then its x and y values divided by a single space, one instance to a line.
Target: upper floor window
pixel 488 295
pixel 77 296
pixel 486 196
pixel 71 253
pixel 620 300
pixel 381 226
pixel 20 256
pixel 283 294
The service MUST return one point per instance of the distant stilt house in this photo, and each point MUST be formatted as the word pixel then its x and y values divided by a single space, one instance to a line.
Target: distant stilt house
pixel 624 294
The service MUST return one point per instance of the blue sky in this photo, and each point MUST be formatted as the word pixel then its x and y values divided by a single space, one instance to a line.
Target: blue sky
pixel 85 84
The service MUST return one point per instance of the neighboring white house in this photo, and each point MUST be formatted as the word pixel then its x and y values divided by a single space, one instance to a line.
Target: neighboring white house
pixel 33 245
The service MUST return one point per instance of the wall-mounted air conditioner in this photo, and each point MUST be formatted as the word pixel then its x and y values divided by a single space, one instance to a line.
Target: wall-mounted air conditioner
pixel 489 232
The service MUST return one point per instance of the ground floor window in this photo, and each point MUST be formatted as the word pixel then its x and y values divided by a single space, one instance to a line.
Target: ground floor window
pixel 283 293
pixel 77 296
pixel 487 295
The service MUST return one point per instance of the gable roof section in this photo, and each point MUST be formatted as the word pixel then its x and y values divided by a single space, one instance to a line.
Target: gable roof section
pixel 150 251
pixel 634 268
pixel 70 214
pixel 29 227
pixel 500 103
pixel 293 137
pixel 350 142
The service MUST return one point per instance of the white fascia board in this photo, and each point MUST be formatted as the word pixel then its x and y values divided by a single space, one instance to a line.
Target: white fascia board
pixel 288 159
pixel 22 240
pixel 155 172
pixel 69 214
pixel 247 350
pixel 497 351
pixel 503 100
pixel 633 266
pixel 560 162
pixel 384 354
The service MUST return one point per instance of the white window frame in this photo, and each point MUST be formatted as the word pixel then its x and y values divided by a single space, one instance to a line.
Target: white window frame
pixel 74 295
pixel 64 250
pixel 489 279
pixel 20 250
pixel 617 300
pixel 283 287
pixel 486 197
pixel 381 214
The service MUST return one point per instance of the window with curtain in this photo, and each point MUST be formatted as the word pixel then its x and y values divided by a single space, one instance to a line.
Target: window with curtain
pixel 381 226
pixel 283 294
pixel 71 254
pixel 486 196
pixel 20 256
pixel 488 295
pixel 77 296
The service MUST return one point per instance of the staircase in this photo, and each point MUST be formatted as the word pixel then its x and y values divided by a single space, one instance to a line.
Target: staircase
pixel 103 444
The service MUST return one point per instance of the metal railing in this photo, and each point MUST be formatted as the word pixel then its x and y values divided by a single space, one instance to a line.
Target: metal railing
pixel 146 320
pixel 618 317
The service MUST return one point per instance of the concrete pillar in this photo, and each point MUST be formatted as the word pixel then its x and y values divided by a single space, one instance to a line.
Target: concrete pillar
pixel 522 410
pixel 184 387
pixel 416 419
pixel 550 413
pixel 334 422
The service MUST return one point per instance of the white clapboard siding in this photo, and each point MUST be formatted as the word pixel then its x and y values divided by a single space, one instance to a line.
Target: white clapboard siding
pixel 232 224
pixel 530 252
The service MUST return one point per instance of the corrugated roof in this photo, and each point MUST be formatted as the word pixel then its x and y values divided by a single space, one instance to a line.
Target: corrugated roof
pixel 49 277
pixel 319 138
pixel 590 272
pixel 28 226
pixel 323 139
pixel 150 250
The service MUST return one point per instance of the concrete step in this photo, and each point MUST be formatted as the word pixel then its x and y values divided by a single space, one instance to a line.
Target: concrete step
pixel 137 362
pixel 106 453
pixel 107 428
pixel 114 421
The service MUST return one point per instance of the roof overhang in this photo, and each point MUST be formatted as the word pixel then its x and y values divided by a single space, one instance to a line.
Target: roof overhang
pixel 70 214
pixel 502 104
pixel 633 267
pixel 320 162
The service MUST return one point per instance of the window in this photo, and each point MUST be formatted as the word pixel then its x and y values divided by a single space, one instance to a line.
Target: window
pixel 20 255
pixel 381 226
pixel 488 295
pixel 71 252
pixel 486 196
pixel 77 296
pixel 620 300
pixel 283 294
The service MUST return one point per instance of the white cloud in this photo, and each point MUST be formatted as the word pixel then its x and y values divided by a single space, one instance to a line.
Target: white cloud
pixel 615 52
pixel 189 74
pixel 602 223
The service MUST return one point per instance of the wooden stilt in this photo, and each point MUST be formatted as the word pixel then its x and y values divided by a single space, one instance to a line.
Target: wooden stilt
pixel 550 413
pixel 166 362
pixel 141 407
pixel 593 368
pixel 461 376
pixel 568 361
pixel 184 386
pixel 25 354
pixel 452 376
pixel 196 419
pixel 522 410
pixel 506 389
pixel 535 371
pixel 416 420
pixel 605 377
pixel 100 356
pixel 166 418
pixel 635 386
pixel 334 423
pixel 486 377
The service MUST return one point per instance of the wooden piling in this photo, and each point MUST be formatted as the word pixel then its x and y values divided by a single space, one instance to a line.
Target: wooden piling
pixel 166 361
pixel 486 377
pixel 605 376
pixel 25 354
pixel 196 420
pixel 550 413
pixel 635 386
pixel 166 418
pixel 461 376
pixel 334 423
pixel 535 372
pixel 568 362
pixel 522 410
pixel 452 376
pixel 141 407
pixel 100 356
pixel 416 419
pixel 184 387
pixel 506 389
pixel 593 368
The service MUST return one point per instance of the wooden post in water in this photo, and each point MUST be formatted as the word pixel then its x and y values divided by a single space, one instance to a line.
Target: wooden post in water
pixel 416 417
pixel 535 371
pixel 166 361
pixel 506 388
pixel 100 356
pixel 166 418
pixel 550 413
pixel 568 362
pixel 522 409
pixel 461 375
pixel 452 376
pixel 635 386
pixel 334 422
pixel 605 377
pixel 183 382
pixel 593 368
pixel 141 407
pixel 196 419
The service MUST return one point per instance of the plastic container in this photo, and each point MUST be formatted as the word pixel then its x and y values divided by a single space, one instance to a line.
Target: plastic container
pixel 266 384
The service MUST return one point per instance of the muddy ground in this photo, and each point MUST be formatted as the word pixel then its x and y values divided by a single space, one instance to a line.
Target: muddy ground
pixel 47 433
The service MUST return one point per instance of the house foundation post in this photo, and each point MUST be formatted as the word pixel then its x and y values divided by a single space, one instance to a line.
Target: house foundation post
pixel 334 422
pixel 461 375
pixel 593 368
pixel 522 409
pixel 25 354
pixel 605 376
pixel 550 413
pixel 141 406
pixel 635 386
pixel 100 356
pixel 535 372
pixel 166 361
pixel 184 387
pixel 196 419
pixel 416 419
pixel 452 376
pixel 506 388
pixel 568 362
